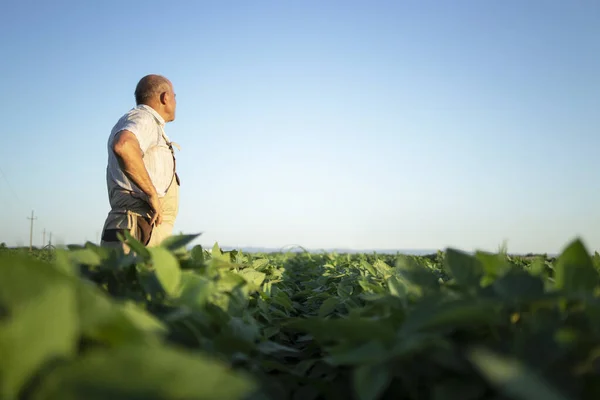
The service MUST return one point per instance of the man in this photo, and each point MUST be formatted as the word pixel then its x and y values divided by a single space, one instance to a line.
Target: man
pixel 142 183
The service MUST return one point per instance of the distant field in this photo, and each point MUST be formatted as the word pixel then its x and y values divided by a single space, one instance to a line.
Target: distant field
pixel 177 323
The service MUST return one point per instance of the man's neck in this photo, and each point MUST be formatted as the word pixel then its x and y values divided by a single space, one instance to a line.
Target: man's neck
pixel 156 112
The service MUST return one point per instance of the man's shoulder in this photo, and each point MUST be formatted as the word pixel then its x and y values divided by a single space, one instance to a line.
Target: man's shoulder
pixel 134 117
pixel 137 114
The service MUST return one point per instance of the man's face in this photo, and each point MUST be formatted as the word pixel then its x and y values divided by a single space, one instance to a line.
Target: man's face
pixel 170 103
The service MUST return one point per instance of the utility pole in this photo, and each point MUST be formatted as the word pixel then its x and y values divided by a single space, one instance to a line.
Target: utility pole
pixel 50 242
pixel 31 231
pixel 44 240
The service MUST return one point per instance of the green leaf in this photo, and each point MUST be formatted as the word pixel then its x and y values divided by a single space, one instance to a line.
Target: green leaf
pixel 129 372
pixel 347 329
pixel 136 245
pixel 85 257
pixel 230 281
pixel 64 264
pixel 252 276
pixel 512 377
pixel 260 264
pixel 141 319
pixel 382 268
pixel 466 269
pixel 574 270
pixel 177 242
pixel 167 269
pixel 368 267
pixel 416 274
pixel 368 287
pixel 592 310
pixel 195 290
pixel 39 322
pixel 494 265
pixel 197 254
pixel 344 291
pixel 328 306
pixel 538 267
pixel 269 347
pixel 270 331
pixel 453 314
pixel 414 343
pixel 282 299
pixel 596 260
pixel 216 250
pixel 368 353
pixel 371 381
pixel 220 259
pixel 149 281
pixel 396 287
pixel 518 286
pixel 103 320
pixel 123 261
pixel 302 368
pixel 245 330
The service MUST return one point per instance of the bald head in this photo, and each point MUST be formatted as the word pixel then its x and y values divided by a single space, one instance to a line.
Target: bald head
pixel 157 92
pixel 149 87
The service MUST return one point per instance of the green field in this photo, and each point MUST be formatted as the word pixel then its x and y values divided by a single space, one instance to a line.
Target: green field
pixel 168 323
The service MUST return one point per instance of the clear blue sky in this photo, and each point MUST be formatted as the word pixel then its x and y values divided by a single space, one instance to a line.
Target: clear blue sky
pixel 373 124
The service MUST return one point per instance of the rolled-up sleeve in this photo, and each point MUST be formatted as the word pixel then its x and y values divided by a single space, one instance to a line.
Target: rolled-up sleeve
pixel 138 125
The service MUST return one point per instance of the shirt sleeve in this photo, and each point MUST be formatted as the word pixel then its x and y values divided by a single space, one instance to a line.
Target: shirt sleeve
pixel 138 124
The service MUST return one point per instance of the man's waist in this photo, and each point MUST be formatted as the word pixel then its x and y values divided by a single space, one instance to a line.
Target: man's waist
pixel 125 200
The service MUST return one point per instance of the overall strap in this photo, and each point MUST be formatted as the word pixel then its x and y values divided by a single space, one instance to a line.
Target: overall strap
pixel 171 144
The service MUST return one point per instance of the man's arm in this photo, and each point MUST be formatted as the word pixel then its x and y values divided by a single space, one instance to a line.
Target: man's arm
pixel 129 154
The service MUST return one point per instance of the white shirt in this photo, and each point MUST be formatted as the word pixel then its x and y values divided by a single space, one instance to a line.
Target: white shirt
pixel 148 127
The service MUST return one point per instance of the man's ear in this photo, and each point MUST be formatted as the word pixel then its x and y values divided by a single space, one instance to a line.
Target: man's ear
pixel 163 97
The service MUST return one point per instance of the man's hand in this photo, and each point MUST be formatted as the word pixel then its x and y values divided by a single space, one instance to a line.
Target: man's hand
pixel 156 209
